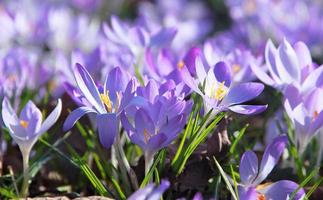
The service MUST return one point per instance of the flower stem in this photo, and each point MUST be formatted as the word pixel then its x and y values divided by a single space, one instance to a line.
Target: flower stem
pixel 25 184
pixel 149 160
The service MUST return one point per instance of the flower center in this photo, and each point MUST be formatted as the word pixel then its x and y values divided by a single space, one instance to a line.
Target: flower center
pixel 220 92
pixel 236 68
pixel 315 114
pixel 180 65
pixel 147 136
pixel 106 101
pixel 24 123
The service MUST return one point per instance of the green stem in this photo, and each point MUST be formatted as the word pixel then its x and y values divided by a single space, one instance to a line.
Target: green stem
pixel 25 184
pixel 149 160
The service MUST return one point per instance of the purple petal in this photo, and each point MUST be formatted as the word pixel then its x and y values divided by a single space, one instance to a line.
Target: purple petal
pixel 248 168
pixel 248 109
pixel 271 157
pixel 222 73
pixel 9 116
pixel 190 58
pixel 317 123
pixel 242 92
pixel 33 116
pixel 190 81
pixel 287 65
pixel 116 82
pixel 261 74
pixel 88 87
pixel 74 116
pixel 163 38
pixel 247 193
pixel 156 142
pixel 314 79
pixel 107 128
pixel 157 193
pixel 51 119
pixel 142 194
pixel 200 70
pixel 270 54
pixel 282 190
pixel 303 54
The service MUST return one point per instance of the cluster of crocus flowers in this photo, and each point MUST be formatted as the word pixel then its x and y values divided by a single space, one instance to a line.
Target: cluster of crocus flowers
pixel 26 129
pixel 158 121
pixel 287 65
pixel 252 175
pixel 219 93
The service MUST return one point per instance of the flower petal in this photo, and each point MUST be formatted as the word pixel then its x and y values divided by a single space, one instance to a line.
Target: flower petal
pixel 9 116
pixel 248 109
pixel 242 92
pixel 247 193
pixel 271 157
pixel 287 63
pixel 282 190
pixel 88 87
pixel 31 114
pixel 51 119
pixel 261 75
pixel 107 128
pixel 75 115
pixel 222 73
pixel 248 168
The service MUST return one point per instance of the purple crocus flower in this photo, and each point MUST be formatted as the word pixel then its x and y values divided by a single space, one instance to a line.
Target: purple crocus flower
pixel 239 59
pixel 151 192
pixel 305 112
pixel 106 102
pixel 128 43
pixel 289 65
pixel 28 127
pixel 159 119
pixel 252 175
pixel 219 94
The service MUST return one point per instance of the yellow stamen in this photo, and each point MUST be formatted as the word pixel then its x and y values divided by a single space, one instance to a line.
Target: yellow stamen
pixel 106 100
pixel 236 68
pixel 315 114
pixel 24 123
pixel 220 92
pixel 180 64
pixel 146 136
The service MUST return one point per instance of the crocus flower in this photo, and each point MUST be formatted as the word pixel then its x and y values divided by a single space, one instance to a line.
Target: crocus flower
pixel 127 43
pixel 156 123
pixel 27 128
pixel 219 94
pixel 106 102
pixel 289 65
pixel 252 175
pixel 239 59
pixel 305 112
pixel 150 192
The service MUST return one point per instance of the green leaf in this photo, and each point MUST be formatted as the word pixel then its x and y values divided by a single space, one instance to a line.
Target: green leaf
pixel 96 183
pixel 238 138
pixel 314 187
pixel 225 178
pixel 304 182
pixel 200 137
pixel 152 169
